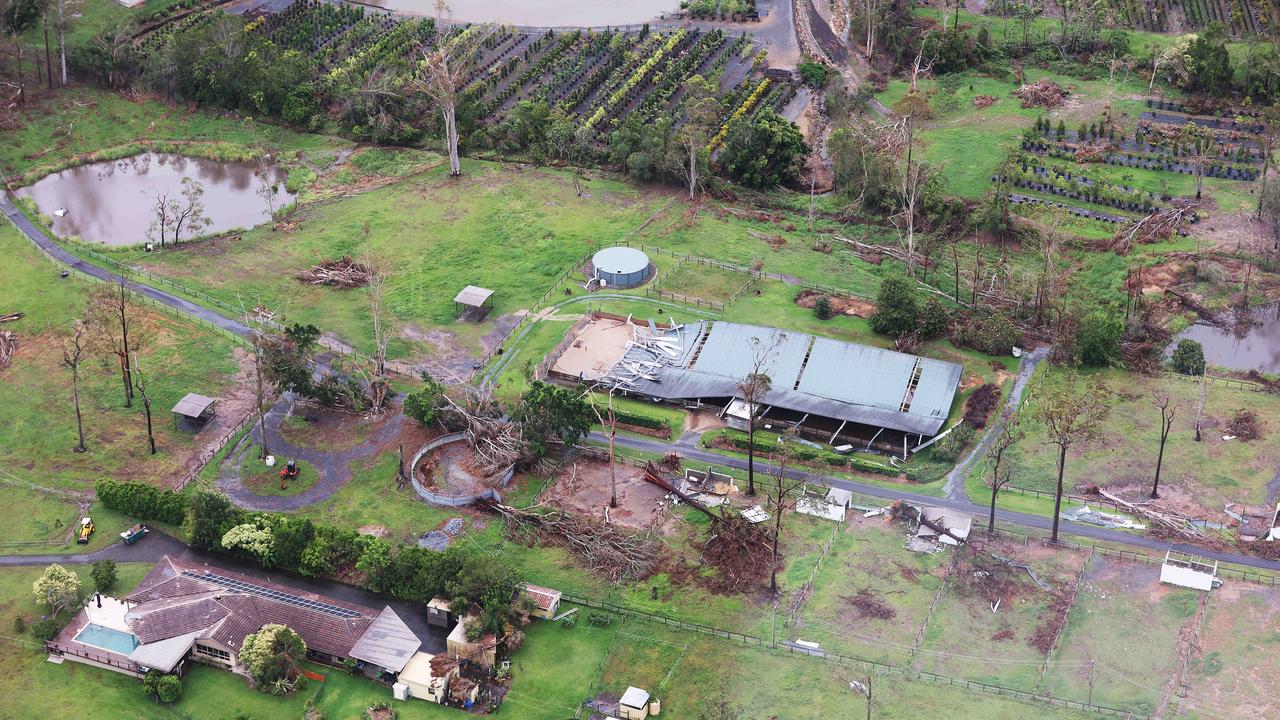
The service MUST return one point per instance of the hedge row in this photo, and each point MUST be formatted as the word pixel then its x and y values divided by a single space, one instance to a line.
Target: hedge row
pixel 142 501
pixel 643 421
pixel 810 455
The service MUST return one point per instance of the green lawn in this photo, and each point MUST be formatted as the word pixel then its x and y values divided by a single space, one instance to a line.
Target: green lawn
pixel 1124 454
pixel 37 438
pixel 1240 624
pixel 1105 626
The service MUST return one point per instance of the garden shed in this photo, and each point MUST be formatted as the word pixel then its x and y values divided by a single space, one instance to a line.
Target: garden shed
pixel 422 682
pixel 193 411
pixel 473 303
pixel 545 600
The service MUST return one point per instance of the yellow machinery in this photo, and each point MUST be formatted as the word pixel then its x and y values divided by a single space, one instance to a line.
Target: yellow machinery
pixel 86 529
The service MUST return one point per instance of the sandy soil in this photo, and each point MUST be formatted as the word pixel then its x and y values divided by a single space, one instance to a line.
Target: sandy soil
pixel 583 486
pixel 701 421
pixel 595 349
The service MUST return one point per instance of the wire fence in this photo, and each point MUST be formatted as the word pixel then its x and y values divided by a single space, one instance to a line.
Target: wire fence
pixel 851 660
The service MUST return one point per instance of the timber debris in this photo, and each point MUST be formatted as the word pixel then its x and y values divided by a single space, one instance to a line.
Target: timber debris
pixel 344 273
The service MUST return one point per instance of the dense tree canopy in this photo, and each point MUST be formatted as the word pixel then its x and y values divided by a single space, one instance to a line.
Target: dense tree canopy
pixel 764 153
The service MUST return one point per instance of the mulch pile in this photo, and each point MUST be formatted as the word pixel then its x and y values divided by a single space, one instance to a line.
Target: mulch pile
pixel 981 101
pixel 1245 425
pixel 980 405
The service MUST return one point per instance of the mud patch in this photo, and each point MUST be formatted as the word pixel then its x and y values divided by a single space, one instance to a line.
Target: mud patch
pixel 840 305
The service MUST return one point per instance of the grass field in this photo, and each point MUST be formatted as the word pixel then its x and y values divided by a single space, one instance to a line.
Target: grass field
pixel 37 438
pixel 1240 625
pixel 1125 452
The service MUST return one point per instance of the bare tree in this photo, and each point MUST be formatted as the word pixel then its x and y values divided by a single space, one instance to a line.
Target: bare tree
pixel 268 191
pixel 1162 402
pixel 188 214
pixel 445 68
pixel 162 217
pixel 753 388
pixel 259 338
pixel 65 11
pixel 783 492
pixel 872 11
pixel 611 423
pixel 702 109
pixel 1007 433
pixel 1072 412
pixel 920 66
pixel 1201 399
pixel 111 321
pixel 913 177
pixel 141 384
pixel 74 350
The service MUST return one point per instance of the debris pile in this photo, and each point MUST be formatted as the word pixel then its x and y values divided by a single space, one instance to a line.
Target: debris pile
pixel 981 101
pixel 980 405
pixel 344 273
pixel 1244 426
pixel 869 607
pixel 614 554
pixel 646 354
pixel 1043 93
pixel 741 554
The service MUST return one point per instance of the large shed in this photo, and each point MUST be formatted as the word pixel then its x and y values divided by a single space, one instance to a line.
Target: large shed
pixel 833 391
pixel 388 644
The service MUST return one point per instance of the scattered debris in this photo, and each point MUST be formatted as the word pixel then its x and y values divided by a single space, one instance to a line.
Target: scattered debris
pixel 11 317
pixel 613 553
pixel 1171 520
pixel 869 607
pixel 8 344
pixel 1085 514
pixel 377 531
pixel 755 514
pixel 741 554
pixel 344 273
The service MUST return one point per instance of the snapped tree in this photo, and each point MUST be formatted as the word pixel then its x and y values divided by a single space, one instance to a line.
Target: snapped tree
pixel 1007 433
pixel 1162 402
pixel 273 656
pixel 752 389
pixel 783 492
pixel 74 349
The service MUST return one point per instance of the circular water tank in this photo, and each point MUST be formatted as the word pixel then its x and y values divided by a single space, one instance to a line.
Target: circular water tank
pixel 621 267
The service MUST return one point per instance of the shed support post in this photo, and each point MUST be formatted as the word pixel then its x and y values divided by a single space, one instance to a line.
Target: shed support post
pixel 873 438
pixel 836 434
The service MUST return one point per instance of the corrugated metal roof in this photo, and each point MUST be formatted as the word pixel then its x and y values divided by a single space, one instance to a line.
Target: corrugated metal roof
pixel 388 643
pixel 820 376
pixel 473 296
pixel 193 405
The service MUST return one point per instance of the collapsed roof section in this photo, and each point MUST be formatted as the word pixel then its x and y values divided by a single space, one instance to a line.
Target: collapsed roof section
pixel 814 375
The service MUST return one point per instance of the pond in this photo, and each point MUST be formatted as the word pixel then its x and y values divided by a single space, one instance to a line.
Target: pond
pixel 1248 340
pixel 542 13
pixel 112 202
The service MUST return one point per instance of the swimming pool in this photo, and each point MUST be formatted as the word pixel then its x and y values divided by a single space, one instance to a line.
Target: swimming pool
pixel 121 643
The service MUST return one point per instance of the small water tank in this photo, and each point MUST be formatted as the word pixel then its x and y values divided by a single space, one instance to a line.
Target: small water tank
pixel 621 267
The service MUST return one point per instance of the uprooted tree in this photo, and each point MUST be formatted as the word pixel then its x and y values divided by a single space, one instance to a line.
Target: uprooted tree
pixel 548 413
pixel 609 551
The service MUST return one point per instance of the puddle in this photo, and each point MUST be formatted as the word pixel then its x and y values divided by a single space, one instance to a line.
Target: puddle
pixel 113 202
pixel 1249 340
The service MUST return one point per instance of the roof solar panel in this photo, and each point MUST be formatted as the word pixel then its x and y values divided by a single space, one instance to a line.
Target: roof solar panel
pixel 273 594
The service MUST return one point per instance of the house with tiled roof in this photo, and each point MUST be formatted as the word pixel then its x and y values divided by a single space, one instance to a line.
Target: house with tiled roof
pixel 184 611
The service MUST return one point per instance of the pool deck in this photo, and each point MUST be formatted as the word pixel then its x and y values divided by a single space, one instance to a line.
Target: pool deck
pixel 110 615
pixel 67 647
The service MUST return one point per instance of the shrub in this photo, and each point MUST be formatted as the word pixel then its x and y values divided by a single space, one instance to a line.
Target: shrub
pixel 142 501
pixel 934 317
pixel 991 334
pixel 896 308
pixel 19 624
pixel 643 421
pixel 164 688
pixel 104 575
pixel 1188 357
pixel 1099 339
pixel 428 404
pixel 46 629
pixel 812 73
pixel 209 516
pixel 948 449
pixel 822 308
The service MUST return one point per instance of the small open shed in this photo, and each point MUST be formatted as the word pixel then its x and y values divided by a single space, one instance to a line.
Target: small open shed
pixel 545 600
pixel 473 303
pixel 193 411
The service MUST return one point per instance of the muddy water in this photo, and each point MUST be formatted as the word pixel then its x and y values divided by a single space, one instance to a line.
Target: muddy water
pixel 542 13
pixel 112 202
pixel 1248 341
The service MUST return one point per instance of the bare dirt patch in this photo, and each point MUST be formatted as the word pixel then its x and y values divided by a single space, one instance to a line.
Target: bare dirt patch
pixel 595 349
pixel 583 486
pixel 840 305
pixel 454 470
pixel 323 428
pixel 701 421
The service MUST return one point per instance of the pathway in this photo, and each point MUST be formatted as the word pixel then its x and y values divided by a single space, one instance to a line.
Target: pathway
pixel 149 549
pixel 332 466
pixel 889 493
pixel 954 488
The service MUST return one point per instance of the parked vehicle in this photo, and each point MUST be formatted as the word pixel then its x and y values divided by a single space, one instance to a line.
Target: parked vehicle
pixel 86 530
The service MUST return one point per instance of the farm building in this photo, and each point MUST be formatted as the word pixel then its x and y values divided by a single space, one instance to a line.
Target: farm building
pixel 830 391
pixel 545 601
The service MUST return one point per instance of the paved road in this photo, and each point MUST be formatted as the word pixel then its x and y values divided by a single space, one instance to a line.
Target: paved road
pixel 149 549
pixel 66 258
pixel 1091 532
